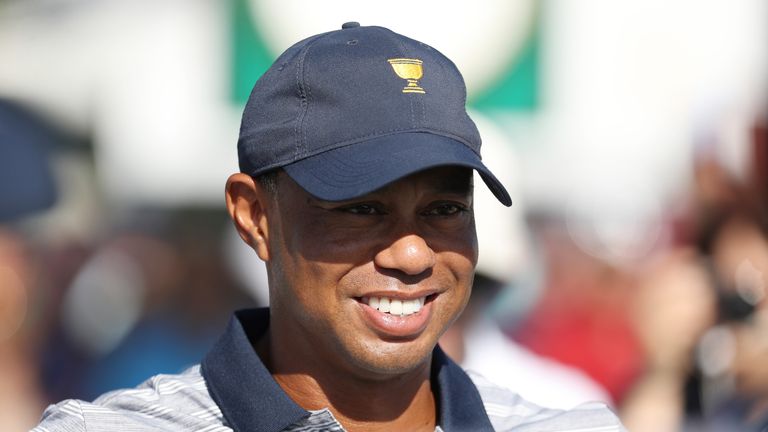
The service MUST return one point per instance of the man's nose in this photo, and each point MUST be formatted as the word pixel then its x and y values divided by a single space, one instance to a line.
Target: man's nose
pixel 409 254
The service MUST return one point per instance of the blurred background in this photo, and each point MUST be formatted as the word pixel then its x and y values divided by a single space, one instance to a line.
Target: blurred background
pixel 631 268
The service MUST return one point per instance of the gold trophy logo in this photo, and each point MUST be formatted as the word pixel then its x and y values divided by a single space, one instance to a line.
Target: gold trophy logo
pixel 409 70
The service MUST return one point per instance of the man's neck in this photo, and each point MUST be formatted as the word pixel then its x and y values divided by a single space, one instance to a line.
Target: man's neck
pixel 400 402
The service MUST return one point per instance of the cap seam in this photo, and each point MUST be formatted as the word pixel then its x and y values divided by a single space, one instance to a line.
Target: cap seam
pixel 304 95
pixel 302 101
pixel 303 129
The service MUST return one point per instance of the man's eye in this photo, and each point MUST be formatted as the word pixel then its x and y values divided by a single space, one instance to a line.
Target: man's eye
pixel 447 209
pixel 362 209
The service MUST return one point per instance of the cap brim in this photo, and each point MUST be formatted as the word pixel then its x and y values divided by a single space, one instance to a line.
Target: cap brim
pixel 355 170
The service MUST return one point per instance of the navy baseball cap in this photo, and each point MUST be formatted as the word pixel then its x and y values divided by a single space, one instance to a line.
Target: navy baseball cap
pixel 349 111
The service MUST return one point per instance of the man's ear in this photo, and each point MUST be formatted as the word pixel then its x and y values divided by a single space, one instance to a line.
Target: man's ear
pixel 247 204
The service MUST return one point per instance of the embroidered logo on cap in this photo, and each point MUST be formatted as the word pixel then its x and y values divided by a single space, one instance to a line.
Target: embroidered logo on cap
pixel 409 70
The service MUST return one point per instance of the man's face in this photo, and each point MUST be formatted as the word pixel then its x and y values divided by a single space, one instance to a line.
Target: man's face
pixel 411 244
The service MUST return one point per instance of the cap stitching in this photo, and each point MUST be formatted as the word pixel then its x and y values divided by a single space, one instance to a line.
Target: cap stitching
pixel 302 88
pixel 302 102
pixel 305 93
pixel 306 115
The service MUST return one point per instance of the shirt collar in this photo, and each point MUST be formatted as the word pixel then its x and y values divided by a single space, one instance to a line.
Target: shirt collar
pixel 251 400
pixel 459 402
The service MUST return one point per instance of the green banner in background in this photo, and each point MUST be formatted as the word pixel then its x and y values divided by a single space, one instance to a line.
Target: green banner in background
pixel 250 56
pixel 516 90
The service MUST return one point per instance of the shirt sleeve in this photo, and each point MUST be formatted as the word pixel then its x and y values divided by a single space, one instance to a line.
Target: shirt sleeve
pixel 65 416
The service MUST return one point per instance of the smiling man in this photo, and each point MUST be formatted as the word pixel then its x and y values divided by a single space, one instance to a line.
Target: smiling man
pixel 356 158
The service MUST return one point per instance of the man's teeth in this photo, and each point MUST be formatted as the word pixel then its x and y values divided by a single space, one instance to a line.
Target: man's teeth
pixel 395 306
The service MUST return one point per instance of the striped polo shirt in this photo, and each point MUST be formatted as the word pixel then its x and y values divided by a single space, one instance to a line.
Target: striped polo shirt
pixel 232 390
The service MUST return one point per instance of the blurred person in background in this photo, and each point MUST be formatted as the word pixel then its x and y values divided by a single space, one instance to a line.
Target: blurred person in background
pixel 701 311
pixel 673 307
pixel 142 304
pixel 21 395
pixel 702 320
pixel 581 317
pixel 26 188
pixel 82 316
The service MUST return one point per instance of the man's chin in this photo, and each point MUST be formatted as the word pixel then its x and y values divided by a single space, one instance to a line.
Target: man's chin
pixel 388 360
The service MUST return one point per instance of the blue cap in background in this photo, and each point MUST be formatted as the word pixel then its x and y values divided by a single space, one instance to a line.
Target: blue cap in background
pixel 26 181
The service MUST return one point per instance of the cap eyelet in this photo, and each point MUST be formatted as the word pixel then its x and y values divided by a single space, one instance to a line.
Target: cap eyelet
pixel 352 42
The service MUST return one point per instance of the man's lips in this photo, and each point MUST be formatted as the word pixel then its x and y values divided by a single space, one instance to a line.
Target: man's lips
pixel 397 317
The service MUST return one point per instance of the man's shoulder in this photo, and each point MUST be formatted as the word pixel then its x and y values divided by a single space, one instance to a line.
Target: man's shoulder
pixel 510 412
pixel 163 402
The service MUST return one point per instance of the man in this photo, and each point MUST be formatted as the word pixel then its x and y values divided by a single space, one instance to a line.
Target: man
pixel 356 157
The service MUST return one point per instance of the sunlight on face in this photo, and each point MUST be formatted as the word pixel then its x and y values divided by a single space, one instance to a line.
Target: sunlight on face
pixel 411 242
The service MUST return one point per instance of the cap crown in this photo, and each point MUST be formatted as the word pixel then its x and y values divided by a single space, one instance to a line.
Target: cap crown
pixel 347 86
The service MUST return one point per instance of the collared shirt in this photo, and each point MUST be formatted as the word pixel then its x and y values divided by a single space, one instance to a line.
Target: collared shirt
pixel 232 390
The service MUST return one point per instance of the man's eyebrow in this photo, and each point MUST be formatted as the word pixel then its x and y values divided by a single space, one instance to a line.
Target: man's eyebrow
pixel 455 188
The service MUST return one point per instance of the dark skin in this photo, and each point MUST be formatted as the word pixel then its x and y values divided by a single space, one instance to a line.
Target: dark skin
pixel 412 238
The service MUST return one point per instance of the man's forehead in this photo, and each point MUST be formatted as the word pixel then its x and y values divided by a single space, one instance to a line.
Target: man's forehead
pixel 447 178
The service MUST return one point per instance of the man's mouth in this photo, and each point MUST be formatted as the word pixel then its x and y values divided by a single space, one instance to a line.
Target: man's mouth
pixel 397 307
pixel 397 316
